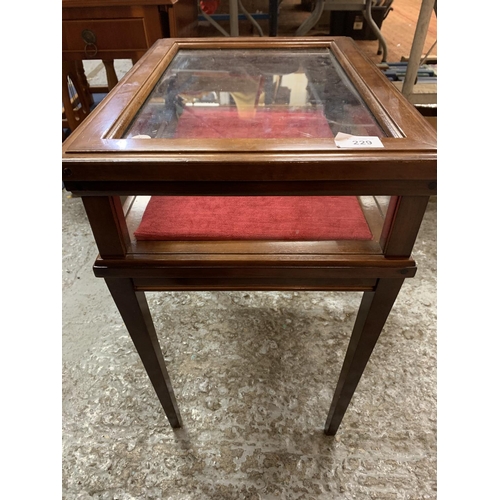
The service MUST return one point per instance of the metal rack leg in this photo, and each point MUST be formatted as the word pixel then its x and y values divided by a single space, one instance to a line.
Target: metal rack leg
pixel 367 14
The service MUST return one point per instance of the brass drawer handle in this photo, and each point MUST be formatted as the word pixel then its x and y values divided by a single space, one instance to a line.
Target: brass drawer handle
pixel 89 37
pixel 90 49
pixel 90 40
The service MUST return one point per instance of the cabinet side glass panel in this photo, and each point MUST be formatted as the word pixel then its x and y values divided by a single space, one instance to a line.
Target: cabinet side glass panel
pixel 325 224
pixel 253 93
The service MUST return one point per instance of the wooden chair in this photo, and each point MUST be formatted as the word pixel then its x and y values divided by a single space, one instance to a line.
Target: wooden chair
pixel 76 96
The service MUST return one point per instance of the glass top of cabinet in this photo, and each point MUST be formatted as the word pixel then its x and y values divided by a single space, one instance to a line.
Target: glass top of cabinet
pixel 253 94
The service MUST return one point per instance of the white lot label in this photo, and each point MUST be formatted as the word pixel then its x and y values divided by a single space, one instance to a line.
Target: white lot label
pixel 357 141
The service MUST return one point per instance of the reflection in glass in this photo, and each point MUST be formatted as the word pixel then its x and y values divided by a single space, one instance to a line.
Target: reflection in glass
pixel 253 93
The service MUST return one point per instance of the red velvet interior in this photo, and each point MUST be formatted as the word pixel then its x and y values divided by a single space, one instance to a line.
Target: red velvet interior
pixel 253 218
pixel 211 123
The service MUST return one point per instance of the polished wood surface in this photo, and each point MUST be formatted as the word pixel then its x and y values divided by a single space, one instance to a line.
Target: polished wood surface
pixel 199 161
pixel 119 32
pixel 103 168
pixel 182 17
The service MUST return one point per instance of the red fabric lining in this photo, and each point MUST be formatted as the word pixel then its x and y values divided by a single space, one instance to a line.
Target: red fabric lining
pixel 288 218
pixel 285 218
pixel 212 123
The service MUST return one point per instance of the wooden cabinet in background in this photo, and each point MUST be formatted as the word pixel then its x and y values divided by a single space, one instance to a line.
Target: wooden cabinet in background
pixel 122 28
pixel 118 29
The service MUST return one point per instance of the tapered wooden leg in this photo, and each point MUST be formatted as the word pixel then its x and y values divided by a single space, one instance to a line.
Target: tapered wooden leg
pixel 373 312
pixel 135 312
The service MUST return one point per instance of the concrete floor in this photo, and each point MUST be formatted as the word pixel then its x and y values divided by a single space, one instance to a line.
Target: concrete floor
pixel 254 375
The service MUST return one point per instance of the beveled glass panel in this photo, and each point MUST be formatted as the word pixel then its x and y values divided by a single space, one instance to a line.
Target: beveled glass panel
pixel 253 94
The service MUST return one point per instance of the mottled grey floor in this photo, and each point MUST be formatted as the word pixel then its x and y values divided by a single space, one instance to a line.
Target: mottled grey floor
pixel 254 374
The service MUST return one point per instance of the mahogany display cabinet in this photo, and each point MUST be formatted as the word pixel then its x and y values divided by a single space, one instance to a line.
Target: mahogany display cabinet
pixel 254 164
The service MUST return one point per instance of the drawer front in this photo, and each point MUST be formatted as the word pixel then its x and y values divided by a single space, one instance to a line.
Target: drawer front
pixel 109 35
